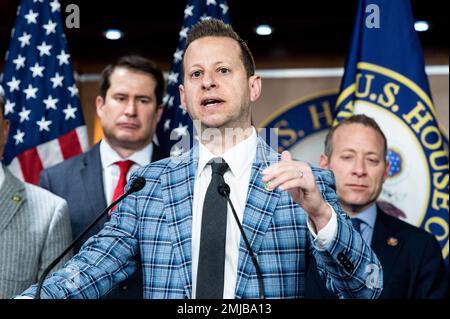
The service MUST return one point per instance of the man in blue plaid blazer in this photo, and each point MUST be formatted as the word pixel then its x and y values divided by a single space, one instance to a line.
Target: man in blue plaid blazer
pixel 290 213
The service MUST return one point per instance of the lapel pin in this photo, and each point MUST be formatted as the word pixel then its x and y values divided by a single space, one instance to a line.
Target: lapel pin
pixel 267 186
pixel 16 199
pixel 392 241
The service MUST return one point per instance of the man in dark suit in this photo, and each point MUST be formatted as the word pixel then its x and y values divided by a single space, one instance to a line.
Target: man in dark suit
pixel 129 107
pixel 355 150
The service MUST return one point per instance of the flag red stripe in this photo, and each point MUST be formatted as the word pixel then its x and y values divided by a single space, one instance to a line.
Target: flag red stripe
pixel 70 145
pixel 31 165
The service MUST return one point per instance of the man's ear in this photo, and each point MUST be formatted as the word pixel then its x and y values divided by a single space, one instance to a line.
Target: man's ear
pixel 99 102
pixel 386 171
pixel 5 129
pixel 255 84
pixel 323 161
pixel 159 112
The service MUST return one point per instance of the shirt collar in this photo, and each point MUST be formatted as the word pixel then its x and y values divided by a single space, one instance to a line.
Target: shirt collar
pixel 109 156
pixel 238 157
pixel 369 215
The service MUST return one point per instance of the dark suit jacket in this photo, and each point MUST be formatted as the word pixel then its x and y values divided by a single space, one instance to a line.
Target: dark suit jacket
pixel 79 180
pixel 412 268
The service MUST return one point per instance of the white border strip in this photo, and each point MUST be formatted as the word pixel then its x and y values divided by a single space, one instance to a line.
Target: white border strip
pixel 331 72
pixel 289 73
pixel 301 73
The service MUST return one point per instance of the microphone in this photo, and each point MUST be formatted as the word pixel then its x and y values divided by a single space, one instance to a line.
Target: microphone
pixel 136 185
pixel 224 190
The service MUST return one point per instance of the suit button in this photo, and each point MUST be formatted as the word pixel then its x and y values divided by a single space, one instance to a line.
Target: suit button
pixel 345 262
pixel 349 266
pixel 124 288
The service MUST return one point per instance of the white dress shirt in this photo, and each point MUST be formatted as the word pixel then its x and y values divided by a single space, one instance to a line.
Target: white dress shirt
pixel 239 158
pixel 111 171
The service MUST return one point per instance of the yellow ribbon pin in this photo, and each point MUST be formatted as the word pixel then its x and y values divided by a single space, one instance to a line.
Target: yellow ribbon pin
pixel 16 199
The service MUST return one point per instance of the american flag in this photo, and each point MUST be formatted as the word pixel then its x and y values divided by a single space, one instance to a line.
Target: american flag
pixel 42 103
pixel 175 121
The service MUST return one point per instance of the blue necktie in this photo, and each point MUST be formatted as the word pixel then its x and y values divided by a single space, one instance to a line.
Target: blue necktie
pixel 357 224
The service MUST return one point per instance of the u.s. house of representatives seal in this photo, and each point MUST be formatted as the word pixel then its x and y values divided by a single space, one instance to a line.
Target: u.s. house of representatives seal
pixel 418 178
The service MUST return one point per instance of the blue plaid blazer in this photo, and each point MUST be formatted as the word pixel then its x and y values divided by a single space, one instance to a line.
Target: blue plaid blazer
pixel 156 224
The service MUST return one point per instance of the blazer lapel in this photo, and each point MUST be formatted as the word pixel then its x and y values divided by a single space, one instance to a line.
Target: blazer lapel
pixel 12 197
pixel 92 181
pixel 385 245
pixel 259 210
pixel 177 188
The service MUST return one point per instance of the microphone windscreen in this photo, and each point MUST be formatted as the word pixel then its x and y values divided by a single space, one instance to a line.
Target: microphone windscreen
pixel 137 184
pixel 223 189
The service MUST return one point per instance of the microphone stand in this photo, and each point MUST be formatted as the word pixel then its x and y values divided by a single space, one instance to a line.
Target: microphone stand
pixel 224 190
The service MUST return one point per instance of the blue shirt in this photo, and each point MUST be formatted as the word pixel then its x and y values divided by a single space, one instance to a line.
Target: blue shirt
pixel 368 217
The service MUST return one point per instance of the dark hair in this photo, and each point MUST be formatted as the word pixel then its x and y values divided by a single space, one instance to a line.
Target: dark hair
pixel 217 28
pixel 354 119
pixel 138 64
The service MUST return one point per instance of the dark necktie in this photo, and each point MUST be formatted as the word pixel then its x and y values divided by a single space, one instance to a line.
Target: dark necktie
pixel 211 261
pixel 357 224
